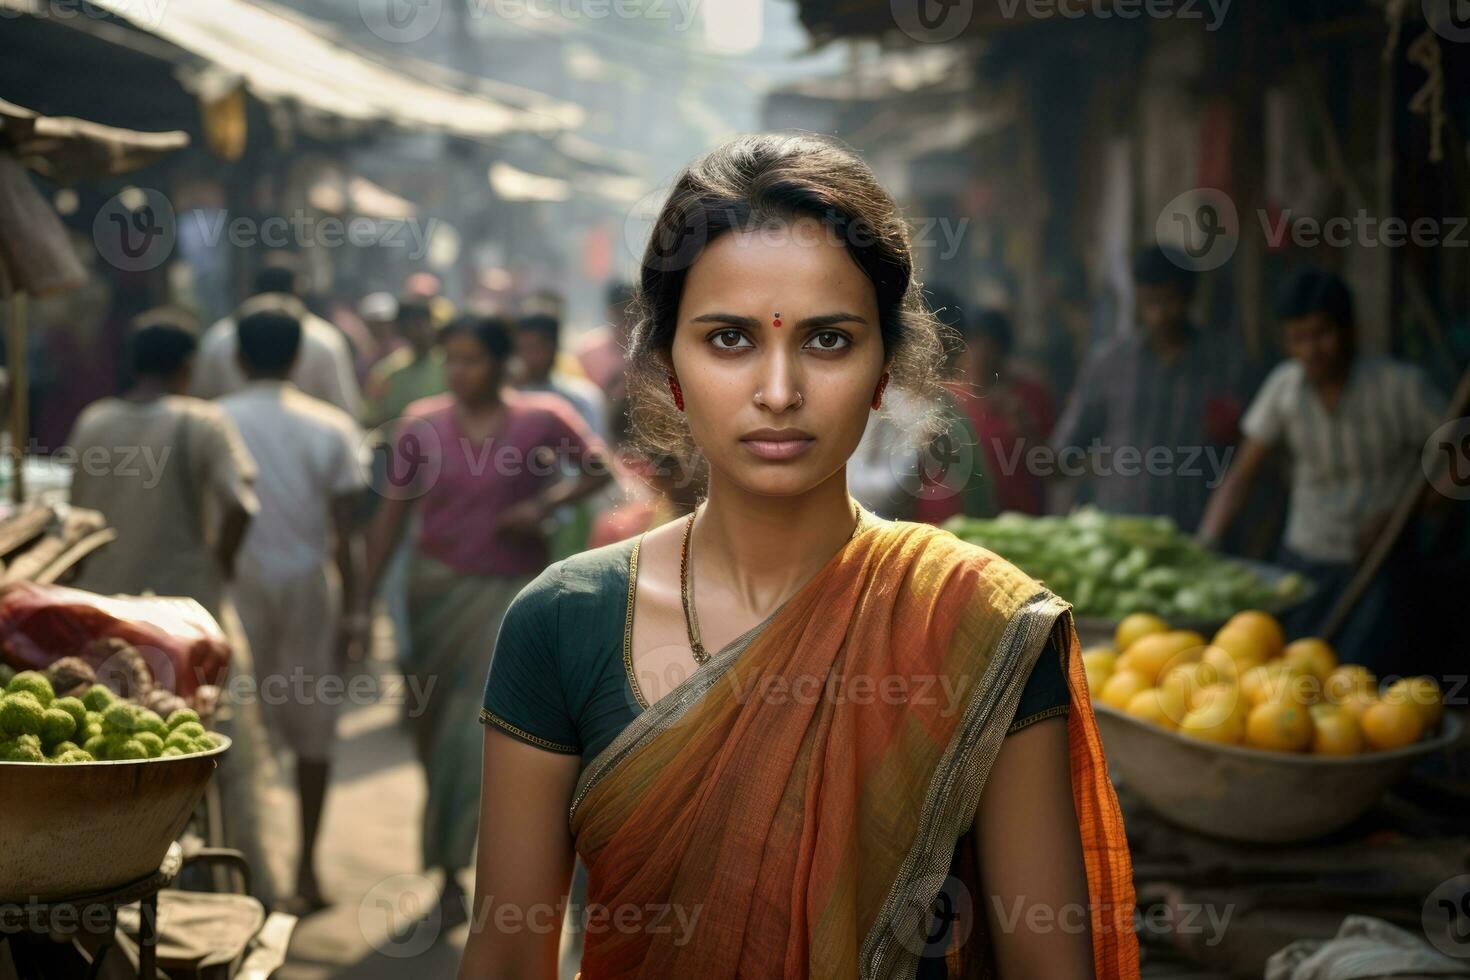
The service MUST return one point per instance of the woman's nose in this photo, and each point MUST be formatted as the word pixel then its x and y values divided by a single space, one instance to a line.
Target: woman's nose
pixel 779 383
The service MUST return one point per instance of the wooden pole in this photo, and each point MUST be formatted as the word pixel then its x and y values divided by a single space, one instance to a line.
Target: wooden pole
pixel 1407 504
pixel 19 395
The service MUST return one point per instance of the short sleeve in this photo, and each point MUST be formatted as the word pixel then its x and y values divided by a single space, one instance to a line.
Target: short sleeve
pixel 1045 694
pixel 523 692
pixel 1265 420
pixel 224 463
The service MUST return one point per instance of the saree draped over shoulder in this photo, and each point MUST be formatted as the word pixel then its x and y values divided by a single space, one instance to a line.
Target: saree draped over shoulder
pixel 792 809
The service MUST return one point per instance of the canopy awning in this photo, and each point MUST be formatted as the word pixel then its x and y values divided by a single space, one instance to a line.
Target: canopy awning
pixel 286 59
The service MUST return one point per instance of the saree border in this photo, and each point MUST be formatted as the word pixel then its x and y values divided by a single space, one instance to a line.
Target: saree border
pixel 954 793
pixel 667 710
pixel 662 714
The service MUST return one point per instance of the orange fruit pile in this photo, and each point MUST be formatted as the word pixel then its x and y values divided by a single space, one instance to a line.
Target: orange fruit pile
pixel 1248 686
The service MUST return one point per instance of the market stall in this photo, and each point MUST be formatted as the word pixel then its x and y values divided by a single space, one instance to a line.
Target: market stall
pixel 1261 779
pixel 107 703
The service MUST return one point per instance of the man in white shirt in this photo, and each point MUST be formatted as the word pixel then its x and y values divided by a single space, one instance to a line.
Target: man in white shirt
pixel 302 558
pixel 1353 426
pixel 323 369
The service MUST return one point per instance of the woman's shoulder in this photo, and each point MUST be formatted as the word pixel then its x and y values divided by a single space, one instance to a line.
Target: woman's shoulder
pixel 592 578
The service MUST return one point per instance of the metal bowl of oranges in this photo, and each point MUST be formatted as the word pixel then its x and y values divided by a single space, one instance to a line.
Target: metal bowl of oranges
pixel 1247 737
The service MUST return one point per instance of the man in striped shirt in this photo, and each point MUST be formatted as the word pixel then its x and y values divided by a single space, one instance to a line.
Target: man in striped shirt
pixel 1155 412
pixel 1354 427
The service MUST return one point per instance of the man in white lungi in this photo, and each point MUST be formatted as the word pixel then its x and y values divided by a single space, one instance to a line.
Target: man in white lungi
pixel 299 578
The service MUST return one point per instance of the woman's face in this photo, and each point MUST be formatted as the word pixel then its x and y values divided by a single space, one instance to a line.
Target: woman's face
pixel 741 375
pixel 470 370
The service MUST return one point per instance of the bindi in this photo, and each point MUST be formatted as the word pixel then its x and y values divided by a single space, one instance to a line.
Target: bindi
pixel 776 320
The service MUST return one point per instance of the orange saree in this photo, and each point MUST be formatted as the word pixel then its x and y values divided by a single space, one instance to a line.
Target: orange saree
pixel 792 808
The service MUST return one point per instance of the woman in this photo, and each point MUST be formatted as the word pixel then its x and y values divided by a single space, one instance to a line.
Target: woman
pixel 763 772
pixel 484 466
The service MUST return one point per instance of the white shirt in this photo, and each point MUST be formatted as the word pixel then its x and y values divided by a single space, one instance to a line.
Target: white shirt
pixel 307 453
pixel 1350 464
pixel 323 367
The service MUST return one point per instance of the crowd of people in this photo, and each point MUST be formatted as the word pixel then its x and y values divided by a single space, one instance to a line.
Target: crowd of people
pixel 436 462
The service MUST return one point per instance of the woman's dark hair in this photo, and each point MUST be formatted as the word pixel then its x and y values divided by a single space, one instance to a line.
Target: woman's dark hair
pixel 761 181
pixel 493 333
pixel 158 344
pixel 1312 290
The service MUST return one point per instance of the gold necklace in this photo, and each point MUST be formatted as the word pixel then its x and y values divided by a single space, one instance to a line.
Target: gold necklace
pixel 686 583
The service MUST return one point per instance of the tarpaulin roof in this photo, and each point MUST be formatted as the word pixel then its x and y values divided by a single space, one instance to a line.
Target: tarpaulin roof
pixel 288 59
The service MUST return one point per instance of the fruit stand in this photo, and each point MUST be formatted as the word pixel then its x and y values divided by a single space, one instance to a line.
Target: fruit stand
pixel 1257 773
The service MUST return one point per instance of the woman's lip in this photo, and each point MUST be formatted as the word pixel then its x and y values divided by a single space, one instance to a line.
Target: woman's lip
pixel 773 449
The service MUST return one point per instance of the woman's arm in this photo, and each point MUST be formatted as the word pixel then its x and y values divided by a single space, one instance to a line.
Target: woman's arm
pixel 524 866
pixel 1032 877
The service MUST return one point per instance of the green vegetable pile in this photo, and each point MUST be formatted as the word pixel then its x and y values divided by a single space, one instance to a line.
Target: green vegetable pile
pixel 1108 566
pixel 37 726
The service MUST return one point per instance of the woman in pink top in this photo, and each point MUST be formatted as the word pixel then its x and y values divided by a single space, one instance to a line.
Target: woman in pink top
pixel 484 466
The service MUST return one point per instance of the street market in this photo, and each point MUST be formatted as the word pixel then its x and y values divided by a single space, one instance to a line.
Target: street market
pixel 1062 408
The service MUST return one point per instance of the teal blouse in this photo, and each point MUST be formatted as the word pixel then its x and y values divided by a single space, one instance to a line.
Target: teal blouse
pixel 560 676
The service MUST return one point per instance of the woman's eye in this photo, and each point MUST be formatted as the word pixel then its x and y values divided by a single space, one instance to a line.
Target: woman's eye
pixel 829 340
pixel 727 339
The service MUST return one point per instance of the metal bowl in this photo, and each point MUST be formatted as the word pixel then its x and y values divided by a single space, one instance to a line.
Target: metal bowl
pixel 1249 794
pixel 77 828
